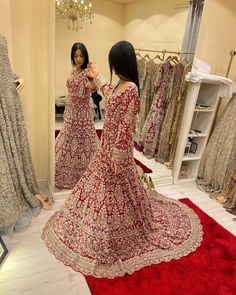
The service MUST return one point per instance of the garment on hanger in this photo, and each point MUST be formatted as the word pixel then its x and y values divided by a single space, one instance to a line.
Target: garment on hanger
pixel 141 72
pixel 171 114
pixel 230 194
pixel 150 134
pixel 111 225
pixel 146 94
pixel 141 63
pixel 77 141
pixel 219 158
pixel 179 116
pixel 18 185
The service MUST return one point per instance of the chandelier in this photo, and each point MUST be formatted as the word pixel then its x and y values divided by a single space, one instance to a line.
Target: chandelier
pixel 73 13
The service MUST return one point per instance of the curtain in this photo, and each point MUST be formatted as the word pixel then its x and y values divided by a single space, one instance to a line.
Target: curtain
pixel 192 28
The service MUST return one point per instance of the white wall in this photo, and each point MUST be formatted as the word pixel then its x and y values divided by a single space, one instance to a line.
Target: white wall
pixel 30 36
pixel 217 36
pixel 152 24
pixel 6 26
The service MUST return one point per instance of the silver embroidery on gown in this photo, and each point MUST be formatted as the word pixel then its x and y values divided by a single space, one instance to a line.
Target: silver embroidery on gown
pixel 18 184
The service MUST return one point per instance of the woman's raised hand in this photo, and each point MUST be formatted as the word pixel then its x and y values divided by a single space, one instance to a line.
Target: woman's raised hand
pixel 92 70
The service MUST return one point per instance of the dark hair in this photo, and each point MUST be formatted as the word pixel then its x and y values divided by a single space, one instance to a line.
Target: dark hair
pixel 84 52
pixel 122 60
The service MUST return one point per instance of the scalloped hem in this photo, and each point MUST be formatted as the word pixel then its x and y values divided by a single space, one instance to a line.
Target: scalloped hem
pixel 120 268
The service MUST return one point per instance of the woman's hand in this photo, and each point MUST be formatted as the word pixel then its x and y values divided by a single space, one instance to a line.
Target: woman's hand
pixel 92 70
pixel 19 84
pixel 118 168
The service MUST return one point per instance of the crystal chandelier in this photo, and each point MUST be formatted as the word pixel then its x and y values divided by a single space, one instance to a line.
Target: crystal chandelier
pixel 74 13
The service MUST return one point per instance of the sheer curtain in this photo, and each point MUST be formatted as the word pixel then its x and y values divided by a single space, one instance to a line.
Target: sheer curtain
pixel 192 27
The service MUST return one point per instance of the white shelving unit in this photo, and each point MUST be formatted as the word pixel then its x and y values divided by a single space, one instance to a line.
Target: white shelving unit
pixel 186 165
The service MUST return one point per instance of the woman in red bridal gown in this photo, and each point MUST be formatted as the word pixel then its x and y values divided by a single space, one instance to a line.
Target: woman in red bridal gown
pixel 111 225
pixel 77 141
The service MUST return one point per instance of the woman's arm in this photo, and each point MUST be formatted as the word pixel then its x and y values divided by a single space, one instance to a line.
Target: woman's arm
pixel 98 80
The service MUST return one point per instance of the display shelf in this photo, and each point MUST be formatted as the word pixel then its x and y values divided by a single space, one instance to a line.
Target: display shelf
pixel 204 111
pixel 197 135
pixel 190 157
pixel 201 93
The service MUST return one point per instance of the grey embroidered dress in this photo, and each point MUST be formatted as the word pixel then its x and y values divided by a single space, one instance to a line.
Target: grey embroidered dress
pixel 171 114
pixel 151 131
pixel 17 179
pixel 219 158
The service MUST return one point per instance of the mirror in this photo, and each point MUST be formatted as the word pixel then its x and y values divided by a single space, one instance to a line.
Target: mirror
pixel 156 30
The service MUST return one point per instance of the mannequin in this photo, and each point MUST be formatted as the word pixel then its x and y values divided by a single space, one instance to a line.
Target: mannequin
pixel 19 194
pixel 19 84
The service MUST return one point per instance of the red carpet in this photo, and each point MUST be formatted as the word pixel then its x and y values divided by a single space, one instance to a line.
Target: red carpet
pixel 141 165
pixel 210 270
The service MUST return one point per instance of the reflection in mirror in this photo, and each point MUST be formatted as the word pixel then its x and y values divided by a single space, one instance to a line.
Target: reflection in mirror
pixel 77 141
pixel 156 29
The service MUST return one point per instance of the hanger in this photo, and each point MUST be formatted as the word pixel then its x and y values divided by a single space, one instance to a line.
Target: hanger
pixel 175 59
pixel 138 54
pixel 147 56
pixel 158 56
pixel 163 54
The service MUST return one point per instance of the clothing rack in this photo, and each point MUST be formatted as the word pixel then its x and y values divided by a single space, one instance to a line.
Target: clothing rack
pixel 232 54
pixel 164 52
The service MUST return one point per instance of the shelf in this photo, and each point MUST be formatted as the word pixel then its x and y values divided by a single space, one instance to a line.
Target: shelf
pixel 197 135
pixel 190 157
pixel 202 110
pixel 59 115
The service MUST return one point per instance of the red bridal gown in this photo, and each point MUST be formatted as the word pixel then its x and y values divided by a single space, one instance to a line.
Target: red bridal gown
pixel 77 142
pixel 111 225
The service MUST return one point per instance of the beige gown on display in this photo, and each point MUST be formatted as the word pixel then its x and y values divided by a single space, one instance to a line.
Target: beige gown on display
pixel 18 185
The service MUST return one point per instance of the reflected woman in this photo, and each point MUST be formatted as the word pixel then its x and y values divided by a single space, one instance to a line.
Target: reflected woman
pixel 77 141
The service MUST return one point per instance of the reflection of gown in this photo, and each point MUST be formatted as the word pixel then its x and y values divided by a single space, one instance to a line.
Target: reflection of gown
pixel 77 141
pixel 110 225
pixel 18 184
pixel 219 158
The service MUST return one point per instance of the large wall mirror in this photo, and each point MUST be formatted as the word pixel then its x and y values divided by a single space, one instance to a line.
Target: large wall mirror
pixel 152 27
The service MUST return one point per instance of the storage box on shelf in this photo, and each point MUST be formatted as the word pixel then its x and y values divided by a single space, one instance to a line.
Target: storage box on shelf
pixel 200 109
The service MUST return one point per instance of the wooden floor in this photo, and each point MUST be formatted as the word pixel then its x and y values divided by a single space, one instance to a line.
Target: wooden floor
pixel 30 269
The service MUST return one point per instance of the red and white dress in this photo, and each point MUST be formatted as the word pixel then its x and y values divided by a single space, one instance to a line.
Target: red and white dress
pixel 77 142
pixel 111 225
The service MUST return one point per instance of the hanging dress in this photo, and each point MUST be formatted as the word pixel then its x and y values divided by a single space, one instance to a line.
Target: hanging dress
pixel 175 130
pixel 164 144
pixel 147 93
pixel 18 185
pixel 151 131
pixel 230 194
pixel 111 225
pixel 77 142
pixel 219 158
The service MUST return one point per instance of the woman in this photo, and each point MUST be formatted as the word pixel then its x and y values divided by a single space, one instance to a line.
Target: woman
pixel 77 141
pixel 110 225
